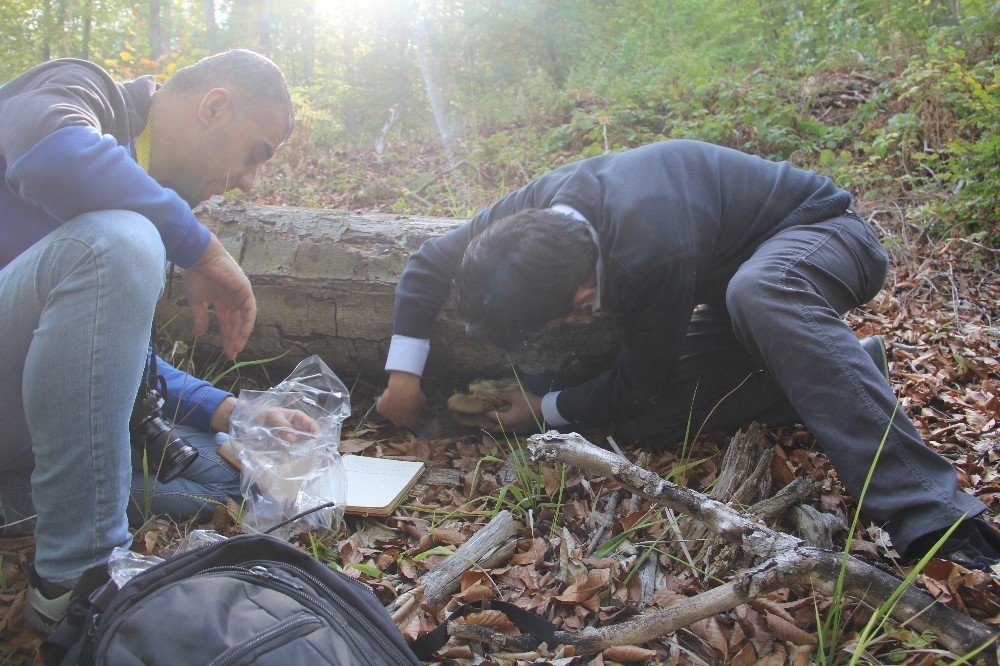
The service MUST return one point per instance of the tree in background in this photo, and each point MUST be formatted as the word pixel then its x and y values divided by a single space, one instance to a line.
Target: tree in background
pixel 525 83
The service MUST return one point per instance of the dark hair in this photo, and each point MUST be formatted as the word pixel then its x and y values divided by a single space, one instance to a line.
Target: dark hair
pixel 254 80
pixel 522 272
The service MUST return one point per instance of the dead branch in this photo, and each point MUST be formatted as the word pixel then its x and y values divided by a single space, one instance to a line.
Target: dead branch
pixel 745 479
pixel 489 546
pixel 724 521
pixel 816 528
pixel 803 568
pixel 772 508
pixel 604 520
pixel 790 562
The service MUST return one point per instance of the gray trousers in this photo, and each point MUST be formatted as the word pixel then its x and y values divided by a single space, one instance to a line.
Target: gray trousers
pixel 778 351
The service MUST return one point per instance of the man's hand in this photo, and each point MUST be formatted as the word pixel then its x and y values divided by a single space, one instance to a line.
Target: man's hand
pixel 402 400
pixel 291 424
pixel 525 412
pixel 216 278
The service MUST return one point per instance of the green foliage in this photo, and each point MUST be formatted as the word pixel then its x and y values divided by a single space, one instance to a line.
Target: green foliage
pixel 515 88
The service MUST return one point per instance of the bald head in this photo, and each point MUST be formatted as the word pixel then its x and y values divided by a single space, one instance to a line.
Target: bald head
pixel 255 82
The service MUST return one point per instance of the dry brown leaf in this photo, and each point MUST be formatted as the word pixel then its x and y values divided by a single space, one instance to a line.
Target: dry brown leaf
pixel 766 605
pixel 552 478
pixel 355 445
pixel 776 658
pixel 492 619
pixel 710 630
pixel 628 653
pixel 449 536
pixel 747 656
pixel 801 655
pixel 534 555
pixel 477 592
pixel 595 582
pixel 787 631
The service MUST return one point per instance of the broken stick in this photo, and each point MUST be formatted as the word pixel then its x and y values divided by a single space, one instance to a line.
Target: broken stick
pixel 489 547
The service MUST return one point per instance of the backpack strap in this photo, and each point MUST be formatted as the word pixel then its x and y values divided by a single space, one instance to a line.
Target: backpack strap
pixel 89 599
pixel 528 622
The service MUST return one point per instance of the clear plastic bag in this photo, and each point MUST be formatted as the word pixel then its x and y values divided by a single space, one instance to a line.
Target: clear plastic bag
pixel 124 565
pixel 289 464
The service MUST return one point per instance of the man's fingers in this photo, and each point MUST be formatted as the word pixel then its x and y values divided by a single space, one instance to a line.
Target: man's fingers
pixel 236 325
pixel 304 423
pixel 199 319
pixel 504 419
pixel 231 343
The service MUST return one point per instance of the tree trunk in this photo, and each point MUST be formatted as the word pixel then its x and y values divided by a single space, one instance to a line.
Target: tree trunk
pixel 309 42
pixel 48 30
pixel 263 19
pixel 155 34
pixel 324 283
pixel 211 28
pixel 88 22
pixel 64 22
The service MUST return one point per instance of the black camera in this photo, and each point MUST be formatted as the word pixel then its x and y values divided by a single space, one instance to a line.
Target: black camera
pixel 169 453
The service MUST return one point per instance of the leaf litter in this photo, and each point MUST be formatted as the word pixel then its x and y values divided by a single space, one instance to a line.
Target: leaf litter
pixel 938 312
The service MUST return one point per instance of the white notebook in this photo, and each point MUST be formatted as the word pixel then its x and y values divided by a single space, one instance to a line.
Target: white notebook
pixel 375 486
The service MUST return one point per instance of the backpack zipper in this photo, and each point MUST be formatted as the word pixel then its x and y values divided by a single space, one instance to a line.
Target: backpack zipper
pixel 237 652
pixel 258 571
pixel 353 612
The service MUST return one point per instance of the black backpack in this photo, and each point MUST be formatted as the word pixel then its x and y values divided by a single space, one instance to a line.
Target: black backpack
pixel 250 599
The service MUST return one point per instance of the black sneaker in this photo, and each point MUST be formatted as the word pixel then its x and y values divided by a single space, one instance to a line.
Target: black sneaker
pixel 45 605
pixel 975 544
pixel 875 346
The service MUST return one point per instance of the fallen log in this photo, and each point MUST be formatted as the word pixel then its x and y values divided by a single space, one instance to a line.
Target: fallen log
pixel 324 283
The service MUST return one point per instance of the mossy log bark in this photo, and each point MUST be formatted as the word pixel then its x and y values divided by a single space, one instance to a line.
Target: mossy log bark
pixel 324 283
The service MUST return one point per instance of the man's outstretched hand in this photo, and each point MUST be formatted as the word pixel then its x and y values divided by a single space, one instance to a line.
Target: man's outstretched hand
pixel 402 400
pixel 216 278
pixel 525 412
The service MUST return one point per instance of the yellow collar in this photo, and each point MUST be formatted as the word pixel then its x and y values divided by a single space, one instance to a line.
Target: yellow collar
pixel 144 145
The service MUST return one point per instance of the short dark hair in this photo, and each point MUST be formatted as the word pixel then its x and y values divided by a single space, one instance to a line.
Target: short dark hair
pixel 522 272
pixel 255 81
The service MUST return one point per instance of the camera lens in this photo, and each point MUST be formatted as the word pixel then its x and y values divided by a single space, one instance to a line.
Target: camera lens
pixel 168 453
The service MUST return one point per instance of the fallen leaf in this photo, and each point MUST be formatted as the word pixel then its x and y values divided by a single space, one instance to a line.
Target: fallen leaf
pixel 628 653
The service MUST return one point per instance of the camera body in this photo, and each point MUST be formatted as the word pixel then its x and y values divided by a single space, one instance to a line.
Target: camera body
pixel 169 453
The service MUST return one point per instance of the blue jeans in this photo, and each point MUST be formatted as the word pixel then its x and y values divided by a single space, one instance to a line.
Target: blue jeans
pixel 78 308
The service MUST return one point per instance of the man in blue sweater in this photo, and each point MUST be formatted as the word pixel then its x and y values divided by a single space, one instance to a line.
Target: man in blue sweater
pixel 771 255
pixel 99 181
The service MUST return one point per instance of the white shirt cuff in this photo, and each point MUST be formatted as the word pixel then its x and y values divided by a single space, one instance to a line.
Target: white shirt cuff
pixel 407 354
pixel 550 412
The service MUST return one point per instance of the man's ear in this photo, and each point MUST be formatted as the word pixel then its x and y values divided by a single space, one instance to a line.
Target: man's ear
pixel 585 292
pixel 214 105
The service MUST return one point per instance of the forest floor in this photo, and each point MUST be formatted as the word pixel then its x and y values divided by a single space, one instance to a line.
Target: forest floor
pixel 939 313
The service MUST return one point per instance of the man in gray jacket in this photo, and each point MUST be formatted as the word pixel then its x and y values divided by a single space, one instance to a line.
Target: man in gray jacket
pixel 99 181
pixel 773 256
